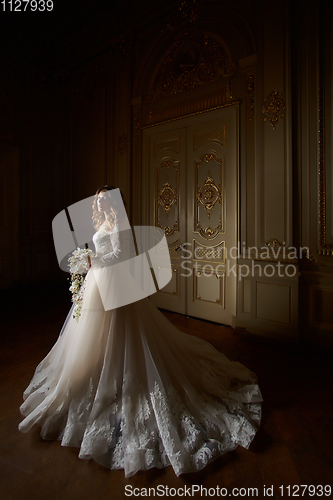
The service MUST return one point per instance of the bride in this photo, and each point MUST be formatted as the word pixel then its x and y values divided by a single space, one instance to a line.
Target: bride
pixel 132 391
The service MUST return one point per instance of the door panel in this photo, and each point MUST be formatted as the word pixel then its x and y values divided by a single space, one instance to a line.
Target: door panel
pixel 211 219
pixel 193 168
pixel 167 159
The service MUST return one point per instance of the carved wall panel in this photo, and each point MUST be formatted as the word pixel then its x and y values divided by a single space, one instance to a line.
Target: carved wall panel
pixel 209 216
pixel 273 302
pixel 274 107
pixel 193 60
pixel 217 135
pixel 209 287
pixel 172 287
pixel 195 75
pixel 208 253
pixel 173 143
pixel 167 202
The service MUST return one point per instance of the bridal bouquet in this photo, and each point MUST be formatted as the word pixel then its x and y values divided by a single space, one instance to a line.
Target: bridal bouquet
pixel 78 267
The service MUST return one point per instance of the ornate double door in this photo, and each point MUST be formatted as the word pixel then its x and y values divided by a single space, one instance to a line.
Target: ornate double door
pixel 191 173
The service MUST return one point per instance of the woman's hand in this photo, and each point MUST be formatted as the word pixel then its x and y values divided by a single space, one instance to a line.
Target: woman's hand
pixel 89 262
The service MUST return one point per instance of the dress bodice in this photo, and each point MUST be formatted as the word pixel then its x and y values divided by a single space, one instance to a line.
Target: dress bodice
pixel 107 244
pixel 113 246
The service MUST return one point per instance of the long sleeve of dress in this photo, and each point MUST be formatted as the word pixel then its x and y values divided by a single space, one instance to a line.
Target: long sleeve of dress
pixel 116 248
pixel 108 248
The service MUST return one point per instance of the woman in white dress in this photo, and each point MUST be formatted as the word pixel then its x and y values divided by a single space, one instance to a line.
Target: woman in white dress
pixel 130 389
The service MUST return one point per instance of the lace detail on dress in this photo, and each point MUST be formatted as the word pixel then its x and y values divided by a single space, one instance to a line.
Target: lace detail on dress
pixel 107 245
pixel 133 392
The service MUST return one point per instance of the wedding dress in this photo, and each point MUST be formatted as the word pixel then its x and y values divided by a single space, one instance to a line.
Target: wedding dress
pixel 133 392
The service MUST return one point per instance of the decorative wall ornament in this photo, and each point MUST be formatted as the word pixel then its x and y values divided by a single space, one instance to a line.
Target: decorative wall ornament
pixel 209 195
pixel 167 197
pixel 195 76
pixel 250 93
pixel 274 107
pixel 192 61
pixel 122 144
pixel 275 243
pixel 167 201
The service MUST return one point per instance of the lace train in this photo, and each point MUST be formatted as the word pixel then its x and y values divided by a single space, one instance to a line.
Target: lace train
pixel 133 392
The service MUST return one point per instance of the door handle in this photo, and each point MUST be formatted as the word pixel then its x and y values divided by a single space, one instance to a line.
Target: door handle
pixel 179 247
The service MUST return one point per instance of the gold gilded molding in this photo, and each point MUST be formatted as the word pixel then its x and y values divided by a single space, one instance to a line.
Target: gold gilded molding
pixel 197 274
pixel 183 108
pixel 195 76
pixel 274 107
pixel 209 194
pixel 250 93
pixel 274 243
pixel 167 196
pixel 193 60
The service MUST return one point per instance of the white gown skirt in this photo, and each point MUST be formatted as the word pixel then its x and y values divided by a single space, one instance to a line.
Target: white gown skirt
pixel 133 392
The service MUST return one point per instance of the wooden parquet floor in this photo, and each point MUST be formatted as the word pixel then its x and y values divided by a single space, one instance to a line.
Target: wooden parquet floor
pixel 294 445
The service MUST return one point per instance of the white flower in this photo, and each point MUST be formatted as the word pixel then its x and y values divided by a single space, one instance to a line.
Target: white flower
pixel 78 267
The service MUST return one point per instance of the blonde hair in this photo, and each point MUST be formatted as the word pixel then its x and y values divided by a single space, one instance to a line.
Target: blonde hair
pixel 110 217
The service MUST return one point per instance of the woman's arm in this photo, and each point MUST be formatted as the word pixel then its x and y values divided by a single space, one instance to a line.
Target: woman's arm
pixel 116 249
pixel 108 258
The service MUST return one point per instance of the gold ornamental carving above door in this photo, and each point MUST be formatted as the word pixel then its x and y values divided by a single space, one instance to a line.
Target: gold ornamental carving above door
pixel 192 61
pixel 195 76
